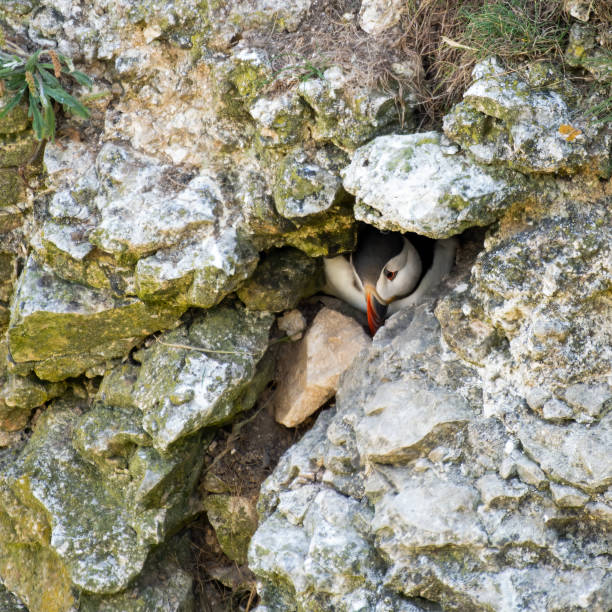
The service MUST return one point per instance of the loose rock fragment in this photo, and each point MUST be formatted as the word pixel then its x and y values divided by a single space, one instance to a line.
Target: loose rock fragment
pixel 310 370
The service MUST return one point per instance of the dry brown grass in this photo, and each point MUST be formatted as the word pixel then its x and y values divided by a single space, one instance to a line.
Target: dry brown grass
pixel 436 37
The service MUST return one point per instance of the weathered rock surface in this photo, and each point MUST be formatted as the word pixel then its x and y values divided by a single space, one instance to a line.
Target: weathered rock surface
pixel 16 148
pixel 60 329
pixel 348 114
pixel 171 589
pixel 524 123
pixel 464 471
pixel 234 519
pixel 204 375
pixel 19 395
pixel 437 520
pixel 418 183
pixel 94 511
pixel 281 280
pixel 93 479
pixel 142 230
pixel 376 16
pixel 309 184
pixel 546 288
pixel 310 369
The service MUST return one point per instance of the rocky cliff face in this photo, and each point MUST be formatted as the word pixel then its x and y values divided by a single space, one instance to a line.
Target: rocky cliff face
pixel 147 255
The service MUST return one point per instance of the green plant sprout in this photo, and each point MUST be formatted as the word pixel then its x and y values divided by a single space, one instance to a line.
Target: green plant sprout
pixel 26 75
pixel 303 71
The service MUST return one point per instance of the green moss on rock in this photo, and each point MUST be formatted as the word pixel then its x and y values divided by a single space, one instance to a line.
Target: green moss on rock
pixel 16 120
pixel 201 377
pixel 69 327
pixel 11 187
pixel 234 520
pixel 36 574
pixel 281 280
pixel 17 150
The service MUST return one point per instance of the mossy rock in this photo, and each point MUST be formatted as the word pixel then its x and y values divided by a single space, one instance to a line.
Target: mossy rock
pixel 165 584
pixel 282 279
pixel 203 376
pixel 309 183
pixel 64 248
pixel 61 329
pixel 234 520
pixel 11 187
pixel 19 395
pixel 198 273
pixel 36 574
pixel 18 149
pixel 16 120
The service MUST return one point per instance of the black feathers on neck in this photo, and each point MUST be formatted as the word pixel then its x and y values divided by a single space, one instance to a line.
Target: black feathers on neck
pixel 374 250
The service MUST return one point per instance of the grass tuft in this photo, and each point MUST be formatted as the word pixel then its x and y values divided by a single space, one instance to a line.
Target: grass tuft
pixel 516 29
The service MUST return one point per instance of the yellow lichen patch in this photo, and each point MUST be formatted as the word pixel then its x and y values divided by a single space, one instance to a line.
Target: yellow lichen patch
pixel 38 576
pixel 569 132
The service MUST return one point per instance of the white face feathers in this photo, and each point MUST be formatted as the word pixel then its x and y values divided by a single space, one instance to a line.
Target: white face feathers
pixel 400 274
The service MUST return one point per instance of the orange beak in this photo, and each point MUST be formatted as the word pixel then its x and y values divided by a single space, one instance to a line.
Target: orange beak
pixel 376 312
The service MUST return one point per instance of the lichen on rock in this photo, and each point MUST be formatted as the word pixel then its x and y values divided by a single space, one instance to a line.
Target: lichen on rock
pixel 282 279
pixel 200 377
pixel 464 460
pixel 421 184
pixel 524 122
pixel 60 329
pixel 350 115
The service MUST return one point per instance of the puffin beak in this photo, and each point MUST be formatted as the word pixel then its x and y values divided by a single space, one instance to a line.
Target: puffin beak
pixel 376 311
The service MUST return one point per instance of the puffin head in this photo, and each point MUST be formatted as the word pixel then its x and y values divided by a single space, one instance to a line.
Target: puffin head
pixel 386 267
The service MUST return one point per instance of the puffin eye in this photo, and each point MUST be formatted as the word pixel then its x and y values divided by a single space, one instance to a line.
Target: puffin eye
pixel 390 275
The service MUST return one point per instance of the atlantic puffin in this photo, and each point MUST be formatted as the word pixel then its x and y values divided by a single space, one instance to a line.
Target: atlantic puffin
pixel 388 271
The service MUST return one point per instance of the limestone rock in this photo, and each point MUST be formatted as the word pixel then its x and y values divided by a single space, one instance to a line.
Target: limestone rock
pixel 16 120
pixel 60 329
pixel 593 399
pixel 376 16
pixel 575 454
pixel 281 119
pixel 226 20
pixel 202 376
pixel 200 272
pixel 234 520
pixel 508 119
pixel 281 280
pixel 175 245
pixel 402 417
pixel 309 184
pixel 329 551
pixel 165 585
pixel 543 287
pixel 567 497
pixel 445 526
pixel 81 515
pixel 9 602
pixel 332 232
pixel 426 512
pixel 347 114
pixel 18 150
pixel 310 370
pixel 90 497
pixel 19 395
pixel 579 9
pixel 415 183
pixel 138 213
